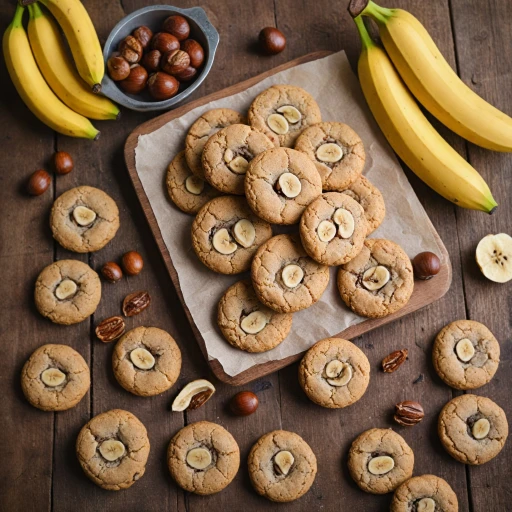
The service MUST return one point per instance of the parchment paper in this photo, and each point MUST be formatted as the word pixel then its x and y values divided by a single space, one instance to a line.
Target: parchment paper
pixel 331 82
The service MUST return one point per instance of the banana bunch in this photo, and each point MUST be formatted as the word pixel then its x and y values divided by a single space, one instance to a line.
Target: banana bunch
pixel 61 95
pixel 411 62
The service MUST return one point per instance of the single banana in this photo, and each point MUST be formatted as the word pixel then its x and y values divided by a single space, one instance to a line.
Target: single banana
pixel 412 136
pixel 82 38
pixel 59 71
pixel 33 89
pixel 435 84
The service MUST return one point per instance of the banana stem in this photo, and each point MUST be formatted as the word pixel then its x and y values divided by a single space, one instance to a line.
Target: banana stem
pixel 35 11
pixel 17 21
pixel 378 13
pixel 363 33
pixel 26 2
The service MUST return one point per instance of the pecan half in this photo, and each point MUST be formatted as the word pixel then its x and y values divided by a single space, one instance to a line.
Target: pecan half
pixel 408 413
pixel 110 329
pixel 135 303
pixel 394 360
pixel 199 399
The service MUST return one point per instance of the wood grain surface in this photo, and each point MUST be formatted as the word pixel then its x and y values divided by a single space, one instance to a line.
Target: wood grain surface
pixel 39 470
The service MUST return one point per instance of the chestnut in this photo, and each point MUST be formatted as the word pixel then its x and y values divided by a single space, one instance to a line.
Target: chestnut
pixel 175 62
pixel 118 68
pixel 38 183
pixel 177 26
pixel 162 86
pixel 272 41
pixel 195 52
pixel 111 272
pixel 132 263
pixel 244 403
pixel 426 265
pixel 186 75
pixel 151 61
pixel 131 49
pixel 164 42
pixel 63 162
pixel 136 80
pixel 144 35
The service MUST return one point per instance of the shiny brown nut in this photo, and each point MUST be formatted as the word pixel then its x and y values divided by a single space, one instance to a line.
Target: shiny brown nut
pixel 177 26
pixel 136 80
pixel 426 265
pixel 118 68
pixel 132 263
pixel 63 162
pixel 175 62
pixel 135 303
pixel 408 413
pixel 244 403
pixel 195 52
pixel 272 41
pixel 164 42
pixel 38 183
pixel 200 399
pixel 111 272
pixel 393 361
pixel 130 49
pixel 187 74
pixel 144 35
pixel 110 329
pixel 162 86
pixel 151 61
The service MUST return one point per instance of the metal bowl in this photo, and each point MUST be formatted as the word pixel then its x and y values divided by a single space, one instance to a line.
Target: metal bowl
pixel 153 17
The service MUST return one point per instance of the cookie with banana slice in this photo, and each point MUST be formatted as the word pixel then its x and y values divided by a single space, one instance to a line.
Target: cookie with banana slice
pixel 249 325
pixel 146 361
pixel 203 458
pixel 282 112
pixel 333 228
pixel 466 354
pixel 280 183
pixel 55 378
pixel 113 449
pixel 378 281
pixel 84 219
pixel 226 234
pixel 379 460
pixel 334 373
pixel 227 154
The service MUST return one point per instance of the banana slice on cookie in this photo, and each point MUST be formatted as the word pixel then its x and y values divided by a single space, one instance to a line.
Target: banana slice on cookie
pixel 329 153
pixel 84 216
pixel 199 458
pixel 494 257
pixel 254 322
pixel 244 232
pixel 345 221
pixel 53 377
pixel 112 449
pixel 278 124
pixel 291 113
pixel 376 277
pixel 222 242
pixel 289 184
pixel 326 231
pixel 292 275
pixel 142 358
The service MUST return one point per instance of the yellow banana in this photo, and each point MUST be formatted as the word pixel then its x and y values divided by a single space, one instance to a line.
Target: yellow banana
pixel 32 87
pixel 82 38
pixel 60 72
pixel 412 136
pixel 434 83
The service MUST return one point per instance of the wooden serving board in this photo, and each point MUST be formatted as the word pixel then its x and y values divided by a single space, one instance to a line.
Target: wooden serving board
pixel 425 292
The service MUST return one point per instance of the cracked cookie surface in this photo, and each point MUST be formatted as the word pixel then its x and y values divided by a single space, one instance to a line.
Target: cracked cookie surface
pixel 269 101
pixel 263 190
pixel 203 128
pixel 227 153
pixel 408 496
pixel 75 308
pixel 153 381
pixel 477 371
pixel 66 394
pixel 267 268
pixel 93 236
pixel 314 379
pixel 224 453
pixel 387 299
pixel 239 302
pixel 455 429
pixel 342 247
pixel 380 442
pixel 269 481
pixel 341 173
pixel 115 425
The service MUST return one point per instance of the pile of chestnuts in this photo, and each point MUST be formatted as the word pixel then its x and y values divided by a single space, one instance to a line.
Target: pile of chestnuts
pixel 157 62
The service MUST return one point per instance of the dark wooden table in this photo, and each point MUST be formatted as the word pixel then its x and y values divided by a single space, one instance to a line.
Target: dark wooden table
pixel 39 470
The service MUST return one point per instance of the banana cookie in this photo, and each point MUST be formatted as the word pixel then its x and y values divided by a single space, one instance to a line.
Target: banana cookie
pixel 67 292
pixel 203 458
pixel 227 154
pixel 281 112
pixel 84 219
pixel 285 278
pixel 380 460
pixel 378 281
pixel 146 361
pixel 333 228
pixel 226 234
pixel 282 466
pixel 280 183
pixel 334 373
pixel 249 325
pixel 337 151
pixel 113 449
pixel 466 355
pixel 55 378
pixel 202 129
pixel 473 429
pixel 186 190
pixel 425 493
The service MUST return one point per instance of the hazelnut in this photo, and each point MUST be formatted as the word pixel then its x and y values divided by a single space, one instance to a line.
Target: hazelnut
pixel 244 403
pixel 162 86
pixel 164 42
pixel 144 35
pixel 195 52
pixel 187 74
pixel 272 41
pixel 38 183
pixel 426 265
pixel 132 263
pixel 111 272
pixel 136 80
pixel 175 62
pixel 118 68
pixel 177 26
pixel 131 49
pixel 151 61
pixel 63 162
